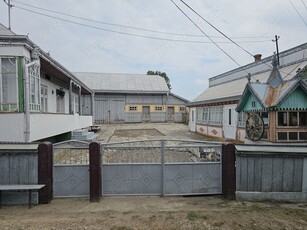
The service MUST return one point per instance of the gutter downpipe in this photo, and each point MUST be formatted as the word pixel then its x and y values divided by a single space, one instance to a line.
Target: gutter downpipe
pixel 27 99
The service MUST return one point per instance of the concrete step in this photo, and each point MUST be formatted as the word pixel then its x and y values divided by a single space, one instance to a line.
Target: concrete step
pixel 79 132
pixel 83 135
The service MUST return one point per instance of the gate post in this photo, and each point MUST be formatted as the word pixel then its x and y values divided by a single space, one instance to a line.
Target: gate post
pixel 45 172
pixel 95 171
pixel 228 171
pixel 162 167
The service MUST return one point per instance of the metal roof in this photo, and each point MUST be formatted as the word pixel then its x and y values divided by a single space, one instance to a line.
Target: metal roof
pixel 8 38
pixel 234 89
pixel 123 83
pixel 5 31
pixel 273 98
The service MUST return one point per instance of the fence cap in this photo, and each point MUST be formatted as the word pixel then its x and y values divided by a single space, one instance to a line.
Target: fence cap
pixel 18 146
pixel 272 148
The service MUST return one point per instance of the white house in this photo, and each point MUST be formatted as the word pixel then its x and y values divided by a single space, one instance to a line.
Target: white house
pixel 39 98
pixel 213 112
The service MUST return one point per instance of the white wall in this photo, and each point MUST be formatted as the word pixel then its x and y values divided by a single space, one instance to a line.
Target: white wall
pixel 12 127
pixel 52 96
pixel 48 125
pixel 14 51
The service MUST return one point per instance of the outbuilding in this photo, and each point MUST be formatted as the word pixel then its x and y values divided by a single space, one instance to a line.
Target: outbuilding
pixel 124 98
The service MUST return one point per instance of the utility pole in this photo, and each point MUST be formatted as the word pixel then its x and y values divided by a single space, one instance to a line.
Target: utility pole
pixel 276 42
pixel 9 6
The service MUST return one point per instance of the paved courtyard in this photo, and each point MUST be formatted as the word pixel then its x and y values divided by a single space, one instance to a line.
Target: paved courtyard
pixel 147 131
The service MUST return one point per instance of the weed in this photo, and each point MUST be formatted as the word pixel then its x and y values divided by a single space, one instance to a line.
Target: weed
pixel 191 216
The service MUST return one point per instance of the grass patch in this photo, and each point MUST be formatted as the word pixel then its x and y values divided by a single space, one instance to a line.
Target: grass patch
pixel 191 216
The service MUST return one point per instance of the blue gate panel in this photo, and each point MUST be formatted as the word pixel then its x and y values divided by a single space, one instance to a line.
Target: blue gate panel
pixel 71 180
pixel 193 178
pixel 131 179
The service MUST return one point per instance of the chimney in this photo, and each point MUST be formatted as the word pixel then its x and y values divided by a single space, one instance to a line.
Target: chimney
pixel 257 57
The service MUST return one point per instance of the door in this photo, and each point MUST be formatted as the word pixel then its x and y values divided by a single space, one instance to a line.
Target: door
pixel 117 110
pixel 146 113
pixel 102 110
pixel 170 114
pixel 192 120
pixel 230 121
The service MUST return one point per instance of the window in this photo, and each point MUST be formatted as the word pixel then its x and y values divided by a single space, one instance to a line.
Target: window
pixel 182 108
pixel 34 77
pixel 158 108
pixel 44 98
pixel 75 103
pixel 199 115
pixel 132 108
pixel 229 116
pixel 241 119
pixel 282 118
pixel 205 116
pixel 8 85
pixel 303 118
pixel 292 119
pixel 216 116
pixel 282 136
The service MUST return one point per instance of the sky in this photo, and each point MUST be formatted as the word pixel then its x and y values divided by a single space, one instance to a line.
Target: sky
pixel 189 65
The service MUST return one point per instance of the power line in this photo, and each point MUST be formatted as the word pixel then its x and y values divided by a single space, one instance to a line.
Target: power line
pixel 225 35
pixel 118 32
pixel 303 20
pixel 208 36
pixel 130 27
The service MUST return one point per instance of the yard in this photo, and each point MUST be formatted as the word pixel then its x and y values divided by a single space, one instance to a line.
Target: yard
pixel 202 212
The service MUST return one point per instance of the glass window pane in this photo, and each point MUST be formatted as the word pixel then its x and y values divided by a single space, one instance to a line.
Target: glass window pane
pixel 293 136
pixel 9 83
pixel 282 118
pixel 282 136
pixel 293 119
pixel 303 135
pixel 303 118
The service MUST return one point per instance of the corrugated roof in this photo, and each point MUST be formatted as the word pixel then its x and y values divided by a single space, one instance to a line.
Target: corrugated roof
pixel 117 82
pixel 235 88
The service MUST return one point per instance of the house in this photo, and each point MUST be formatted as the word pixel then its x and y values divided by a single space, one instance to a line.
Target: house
pixel 128 98
pixel 213 112
pixel 39 98
pixel 276 111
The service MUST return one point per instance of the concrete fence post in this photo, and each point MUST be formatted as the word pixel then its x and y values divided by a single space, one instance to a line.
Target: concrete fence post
pixel 228 171
pixel 95 172
pixel 45 172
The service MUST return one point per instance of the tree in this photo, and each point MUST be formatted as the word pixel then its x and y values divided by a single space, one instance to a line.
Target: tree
pixel 161 74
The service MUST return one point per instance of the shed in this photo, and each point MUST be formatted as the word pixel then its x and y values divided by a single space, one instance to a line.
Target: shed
pixel 120 98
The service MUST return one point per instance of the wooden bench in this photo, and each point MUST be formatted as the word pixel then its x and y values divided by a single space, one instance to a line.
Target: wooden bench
pixel 95 128
pixel 19 188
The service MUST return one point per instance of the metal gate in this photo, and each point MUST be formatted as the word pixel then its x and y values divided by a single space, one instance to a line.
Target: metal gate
pixel 161 168
pixel 155 167
pixel 71 169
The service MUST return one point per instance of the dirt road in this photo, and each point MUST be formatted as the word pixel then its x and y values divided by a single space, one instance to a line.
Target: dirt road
pixel 123 213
